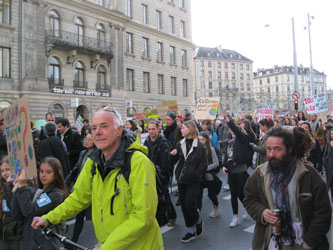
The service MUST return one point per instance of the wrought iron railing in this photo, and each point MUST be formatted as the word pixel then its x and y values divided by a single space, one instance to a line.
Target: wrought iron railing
pixel 54 82
pixel 80 84
pixel 102 87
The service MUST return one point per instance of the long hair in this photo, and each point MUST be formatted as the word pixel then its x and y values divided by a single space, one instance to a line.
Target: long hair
pixel 133 126
pixel 302 142
pixel 207 147
pixel 193 130
pixel 2 180
pixel 58 174
pixel 248 128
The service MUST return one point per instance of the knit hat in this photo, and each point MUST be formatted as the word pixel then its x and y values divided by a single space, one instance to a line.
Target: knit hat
pixel 172 115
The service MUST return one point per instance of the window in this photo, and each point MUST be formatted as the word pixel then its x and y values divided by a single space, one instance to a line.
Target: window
pixel 247 67
pixel 5 7
pixel 172 55
pixel 146 82
pixel 226 75
pixel 100 36
pixel 55 23
pixel 241 76
pixel 185 88
pixel 184 58
pixel 210 75
pixel 129 43
pixel 4 62
pixel 159 51
pixel 182 29
pixel 277 88
pixel 100 2
pixel 158 19
pixel 225 65
pixel 247 76
pixel 233 75
pixel 130 79
pixel 219 65
pixel 241 66
pixel 210 85
pixel 287 78
pixel 268 80
pixel 173 86
pixel 276 79
pixel 242 86
pixel 160 84
pixel 145 47
pixel 260 82
pixel 79 31
pixel 128 8
pixel 182 4
pixel 209 64
pixel 171 25
pixel 219 74
pixel 210 94
pixel 248 86
pixel 202 63
pixel 144 9
pixel 54 71
pixel 79 76
pixel 101 77
pixel 233 66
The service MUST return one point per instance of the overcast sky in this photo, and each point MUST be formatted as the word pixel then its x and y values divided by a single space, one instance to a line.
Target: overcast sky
pixel 240 25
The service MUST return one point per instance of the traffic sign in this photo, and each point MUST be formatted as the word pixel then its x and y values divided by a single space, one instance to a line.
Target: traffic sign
pixel 296 95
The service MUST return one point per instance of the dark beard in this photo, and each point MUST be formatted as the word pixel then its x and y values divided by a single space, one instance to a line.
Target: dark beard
pixel 277 166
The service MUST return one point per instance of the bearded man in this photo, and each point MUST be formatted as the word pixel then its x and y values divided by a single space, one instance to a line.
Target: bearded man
pixel 295 188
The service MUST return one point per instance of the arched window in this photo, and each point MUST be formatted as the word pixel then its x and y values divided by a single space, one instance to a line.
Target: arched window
pixel 54 71
pixel 57 110
pixel 79 31
pixel 55 23
pixel 100 36
pixel 5 9
pixel 79 76
pixel 101 77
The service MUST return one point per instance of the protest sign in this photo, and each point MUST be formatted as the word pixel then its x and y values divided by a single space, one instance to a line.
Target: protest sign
pixel 265 112
pixel 39 124
pixel 322 116
pixel 79 122
pixel 315 104
pixel 19 138
pixel 207 108
pixel 152 114
pixel 166 106
pixel 139 116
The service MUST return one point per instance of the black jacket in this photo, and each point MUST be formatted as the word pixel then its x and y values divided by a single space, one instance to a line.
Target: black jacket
pixel 158 153
pixel 240 146
pixel 25 209
pixel 172 134
pixel 74 146
pixel 11 229
pixel 190 169
pixel 52 146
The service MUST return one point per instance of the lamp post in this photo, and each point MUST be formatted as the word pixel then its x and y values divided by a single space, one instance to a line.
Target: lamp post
pixel 311 67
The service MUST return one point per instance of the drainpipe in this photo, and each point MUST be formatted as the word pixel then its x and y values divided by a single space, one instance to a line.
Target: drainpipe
pixel 20 46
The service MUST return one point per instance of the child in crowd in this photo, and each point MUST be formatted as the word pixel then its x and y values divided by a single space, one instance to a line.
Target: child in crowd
pixel 28 202
pixel 10 228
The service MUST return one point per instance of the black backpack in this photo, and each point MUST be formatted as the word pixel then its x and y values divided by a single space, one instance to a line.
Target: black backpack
pixel 126 171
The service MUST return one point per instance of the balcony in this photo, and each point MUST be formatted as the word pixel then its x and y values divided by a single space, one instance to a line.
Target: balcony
pixel 55 82
pixel 102 87
pixel 80 84
pixel 71 41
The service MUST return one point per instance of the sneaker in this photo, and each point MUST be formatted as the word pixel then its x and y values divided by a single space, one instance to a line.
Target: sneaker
pixel 199 228
pixel 188 237
pixel 215 212
pixel 171 223
pixel 234 222
pixel 226 188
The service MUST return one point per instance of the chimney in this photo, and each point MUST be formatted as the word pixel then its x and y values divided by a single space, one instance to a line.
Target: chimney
pixel 219 48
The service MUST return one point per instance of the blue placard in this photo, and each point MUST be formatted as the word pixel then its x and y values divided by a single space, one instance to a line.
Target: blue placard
pixel 5 208
pixel 43 200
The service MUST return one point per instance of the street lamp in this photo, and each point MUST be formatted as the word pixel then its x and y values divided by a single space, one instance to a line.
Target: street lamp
pixel 311 66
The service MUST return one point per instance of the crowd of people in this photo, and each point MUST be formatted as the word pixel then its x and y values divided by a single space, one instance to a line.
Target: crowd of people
pixel 106 173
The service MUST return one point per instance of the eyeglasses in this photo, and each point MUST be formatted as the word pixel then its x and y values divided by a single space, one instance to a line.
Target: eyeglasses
pixel 111 110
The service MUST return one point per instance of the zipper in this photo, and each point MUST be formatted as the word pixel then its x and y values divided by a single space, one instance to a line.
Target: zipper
pixel 102 200
pixel 297 197
pixel 124 197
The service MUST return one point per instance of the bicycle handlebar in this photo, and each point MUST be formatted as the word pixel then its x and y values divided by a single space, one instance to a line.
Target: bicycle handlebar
pixel 49 233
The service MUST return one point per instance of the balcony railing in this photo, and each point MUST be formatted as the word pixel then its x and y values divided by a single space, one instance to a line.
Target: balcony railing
pixel 72 41
pixel 102 87
pixel 55 82
pixel 80 84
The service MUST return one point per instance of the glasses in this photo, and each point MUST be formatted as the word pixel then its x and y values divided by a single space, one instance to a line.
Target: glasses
pixel 111 110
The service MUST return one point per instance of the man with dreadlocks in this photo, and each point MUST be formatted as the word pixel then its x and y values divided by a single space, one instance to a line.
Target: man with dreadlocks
pixel 287 183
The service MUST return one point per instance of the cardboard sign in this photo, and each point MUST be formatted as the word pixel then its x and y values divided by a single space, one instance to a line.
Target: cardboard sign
pixel 265 112
pixel 139 116
pixel 322 116
pixel 152 114
pixel 315 104
pixel 207 108
pixel 166 106
pixel 19 138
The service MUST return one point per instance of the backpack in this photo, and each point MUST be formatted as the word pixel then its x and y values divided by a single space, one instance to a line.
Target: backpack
pixel 126 171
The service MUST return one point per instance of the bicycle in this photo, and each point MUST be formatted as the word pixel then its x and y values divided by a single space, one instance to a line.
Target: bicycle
pixel 50 233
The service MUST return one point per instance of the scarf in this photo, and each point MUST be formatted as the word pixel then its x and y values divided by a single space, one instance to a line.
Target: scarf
pixel 279 183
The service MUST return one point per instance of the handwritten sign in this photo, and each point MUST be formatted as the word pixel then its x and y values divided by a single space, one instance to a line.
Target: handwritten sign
pixel 315 104
pixel 265 112
pixel 19 138
pixel 139 116
pixel 207 108
pixel 166 106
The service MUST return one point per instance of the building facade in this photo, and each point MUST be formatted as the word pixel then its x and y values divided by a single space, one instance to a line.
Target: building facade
pixel 275 86
pixel 226 74
pixel 72 57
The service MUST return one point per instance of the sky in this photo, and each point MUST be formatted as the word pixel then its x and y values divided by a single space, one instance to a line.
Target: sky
pixel 261 30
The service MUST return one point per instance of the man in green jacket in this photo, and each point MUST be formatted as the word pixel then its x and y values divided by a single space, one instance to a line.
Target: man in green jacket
pixel 293 187
pixel 123 212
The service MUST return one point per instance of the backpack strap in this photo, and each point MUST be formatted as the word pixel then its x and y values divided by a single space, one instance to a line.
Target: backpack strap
pixel 125 171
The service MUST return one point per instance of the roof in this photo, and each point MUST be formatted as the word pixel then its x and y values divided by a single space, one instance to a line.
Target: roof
pixel 285 69
pixel 218 53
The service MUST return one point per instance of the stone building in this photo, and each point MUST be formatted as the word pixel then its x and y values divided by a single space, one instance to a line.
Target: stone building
pixel 73 56
pixel 226 74
pixel 274 86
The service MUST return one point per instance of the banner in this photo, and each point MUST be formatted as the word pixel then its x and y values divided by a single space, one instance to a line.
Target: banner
pixel 207 108
pixel 19 138
pixel 79 122
pixel 140 116
pixel 315 104
pixel 265 112
pixel 166 106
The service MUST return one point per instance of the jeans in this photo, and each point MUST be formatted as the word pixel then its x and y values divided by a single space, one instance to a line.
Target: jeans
pixel 188 195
